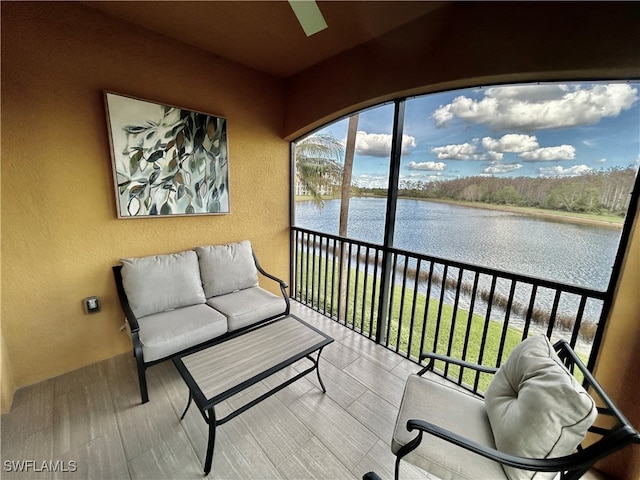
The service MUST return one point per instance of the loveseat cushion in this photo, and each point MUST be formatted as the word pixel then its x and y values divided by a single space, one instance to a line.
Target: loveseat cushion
pixel 536 407
pixel 448 407
pixel 227 268
pixel 248 306
pixel 167 333
pixel 159 283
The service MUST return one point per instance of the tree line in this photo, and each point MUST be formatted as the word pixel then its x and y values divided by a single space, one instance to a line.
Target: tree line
pixel 605 192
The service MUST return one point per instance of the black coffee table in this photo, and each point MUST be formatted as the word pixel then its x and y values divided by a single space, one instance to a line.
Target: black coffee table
pixel 218 372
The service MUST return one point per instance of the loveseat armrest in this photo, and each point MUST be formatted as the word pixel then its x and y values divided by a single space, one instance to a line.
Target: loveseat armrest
pixel 124 301
pixel 433 357
pixel 282 283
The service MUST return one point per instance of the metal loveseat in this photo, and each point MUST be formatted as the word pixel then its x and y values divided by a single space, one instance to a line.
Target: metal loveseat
pixel 543 416
pixel 180 302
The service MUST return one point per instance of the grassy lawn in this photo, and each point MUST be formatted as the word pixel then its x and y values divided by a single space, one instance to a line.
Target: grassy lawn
pixel 435 326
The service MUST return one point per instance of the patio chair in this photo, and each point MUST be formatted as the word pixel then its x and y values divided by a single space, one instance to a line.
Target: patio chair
pixel 536 420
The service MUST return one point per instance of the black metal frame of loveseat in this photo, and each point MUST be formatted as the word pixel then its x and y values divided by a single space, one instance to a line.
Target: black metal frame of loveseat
pixel 571 467
pixel 134 327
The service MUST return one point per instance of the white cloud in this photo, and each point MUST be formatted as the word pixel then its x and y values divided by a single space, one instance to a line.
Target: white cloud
pixel 379 144
pixel 546 154
pixel 498 168
pixel 443 115
pixel 430 166
pixel 511 142
pixel 463 151
pixel 536 107
pixel 371 180
pixel 564 172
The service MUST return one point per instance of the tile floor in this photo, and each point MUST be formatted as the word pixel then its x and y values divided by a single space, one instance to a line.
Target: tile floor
pixel 89 424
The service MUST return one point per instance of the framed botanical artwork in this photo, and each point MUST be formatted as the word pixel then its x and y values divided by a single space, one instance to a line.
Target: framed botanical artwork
pixel 167 160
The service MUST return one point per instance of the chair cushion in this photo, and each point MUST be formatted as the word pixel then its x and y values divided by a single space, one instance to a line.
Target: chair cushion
pixel 158 283
pixel 227 268
pixel 536 407
pixel 167 333
pixel 248 306
pixel 450 408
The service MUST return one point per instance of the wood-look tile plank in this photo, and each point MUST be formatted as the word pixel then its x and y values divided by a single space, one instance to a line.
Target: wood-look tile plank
pixel 170 459
pixel 89 375
pixel 16 449
pixel 144 426
pixel 237 454
pixel 405 368
pixel 341 387
pixel 314 460
pixel 339 355
pixel 377 379
pixel 31 412
pixel 347 439
pixel 327 325
pixel 242 460
pixel 377 354
pixel 276 429
pixel 82 415
pixel 122 377
pixel 101 458
pixel 376 414
pixel 381 460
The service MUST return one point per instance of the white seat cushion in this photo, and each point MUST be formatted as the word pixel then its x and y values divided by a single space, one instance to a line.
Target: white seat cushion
pixel 164 334
pixel 536 407
pixel 248 306
pixel 450 408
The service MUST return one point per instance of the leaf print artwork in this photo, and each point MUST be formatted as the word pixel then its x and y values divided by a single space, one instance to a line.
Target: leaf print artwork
pixel 167 160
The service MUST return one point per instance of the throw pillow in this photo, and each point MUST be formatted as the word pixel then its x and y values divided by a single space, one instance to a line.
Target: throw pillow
pixel 227 268
pixel 536 407
pixel 159 283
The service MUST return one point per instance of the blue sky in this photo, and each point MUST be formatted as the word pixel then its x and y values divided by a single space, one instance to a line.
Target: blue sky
pixel 550 129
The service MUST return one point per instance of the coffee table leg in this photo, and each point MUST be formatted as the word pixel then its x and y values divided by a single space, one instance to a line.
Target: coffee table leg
pixel 211 442
pixel 318 372
pixel 188 405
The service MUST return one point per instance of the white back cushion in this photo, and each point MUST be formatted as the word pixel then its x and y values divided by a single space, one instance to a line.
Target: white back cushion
pixel 536 407
pixel 159 283
pixel 227 268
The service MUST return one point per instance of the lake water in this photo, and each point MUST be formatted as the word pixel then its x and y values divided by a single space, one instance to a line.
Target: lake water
pixel 581 255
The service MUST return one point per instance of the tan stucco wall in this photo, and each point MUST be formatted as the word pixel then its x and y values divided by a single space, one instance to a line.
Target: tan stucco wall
pixel 618 366
pixel 60 234
pixel 7 387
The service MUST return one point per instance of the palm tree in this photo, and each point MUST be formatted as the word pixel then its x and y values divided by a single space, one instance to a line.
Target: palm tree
pixel 318 165
pixel 319 169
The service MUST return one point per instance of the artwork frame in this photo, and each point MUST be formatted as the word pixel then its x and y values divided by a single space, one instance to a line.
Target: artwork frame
pixel 166 160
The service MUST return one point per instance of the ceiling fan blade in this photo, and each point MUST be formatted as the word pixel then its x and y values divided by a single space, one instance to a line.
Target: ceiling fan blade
pixel 309 16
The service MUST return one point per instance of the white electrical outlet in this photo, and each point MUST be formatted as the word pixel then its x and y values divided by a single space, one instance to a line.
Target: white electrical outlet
pixel 91 304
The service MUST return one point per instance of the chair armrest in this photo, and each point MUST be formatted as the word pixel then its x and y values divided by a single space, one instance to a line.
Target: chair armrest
pixel 124 301
pixel 577 460
pixel 283 284
pixel 454 361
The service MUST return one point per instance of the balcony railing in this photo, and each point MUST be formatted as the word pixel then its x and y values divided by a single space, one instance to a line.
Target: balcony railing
pixel 413 303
